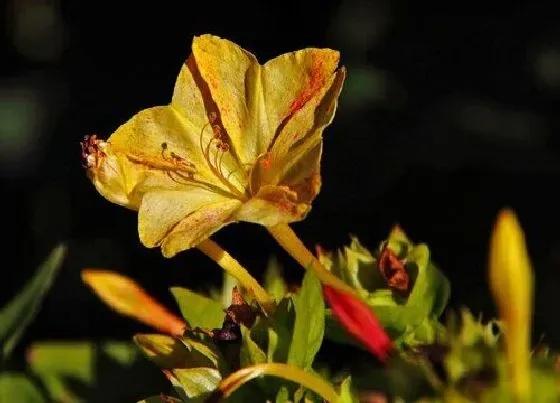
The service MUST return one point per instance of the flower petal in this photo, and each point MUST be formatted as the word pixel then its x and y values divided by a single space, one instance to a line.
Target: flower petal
pixel 166 142
pixel 304 130
pixel 255 100
pixel 273 205
pixel 292 80
pixel 295 157
pixel 163 213
pixel 198 226
pixel 113 174
pixel 126 297
pixel 232 76
pixel 187 95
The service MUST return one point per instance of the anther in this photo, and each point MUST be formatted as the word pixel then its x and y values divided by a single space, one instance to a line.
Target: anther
pixel 91 150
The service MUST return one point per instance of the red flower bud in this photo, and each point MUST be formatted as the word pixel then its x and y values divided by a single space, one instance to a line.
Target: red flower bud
pixel 358 319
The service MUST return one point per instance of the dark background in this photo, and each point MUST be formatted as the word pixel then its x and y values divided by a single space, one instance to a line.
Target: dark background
pixel 447 115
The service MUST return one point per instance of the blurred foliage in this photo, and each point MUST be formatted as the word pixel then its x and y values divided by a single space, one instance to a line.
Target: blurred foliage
pixel 64 371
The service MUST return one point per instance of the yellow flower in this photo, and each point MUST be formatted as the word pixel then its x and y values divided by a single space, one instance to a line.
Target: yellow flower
pixel 240 141
pixel 511 281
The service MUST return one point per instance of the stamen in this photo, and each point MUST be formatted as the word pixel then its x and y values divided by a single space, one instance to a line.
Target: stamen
pixel 186 167
pixel 92 151
pixel 215 161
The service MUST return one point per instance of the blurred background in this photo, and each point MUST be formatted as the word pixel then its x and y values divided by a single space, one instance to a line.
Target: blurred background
pixel 447 115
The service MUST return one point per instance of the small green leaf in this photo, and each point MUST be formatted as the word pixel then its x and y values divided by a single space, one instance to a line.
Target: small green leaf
pixel 283 396
pixel 431 290
pixel 19 312
pixel 272 344
pixel 345 394
pixel 62 366
pixel 273 281
pixel 64 359
pixel 15 387
pixel 229 283
pixel 281 323
pixel 207 348
pixel 58 388
pixel 250 353
pixel 309 326
pixel 196 381
pixel 125 353
pixel 198 310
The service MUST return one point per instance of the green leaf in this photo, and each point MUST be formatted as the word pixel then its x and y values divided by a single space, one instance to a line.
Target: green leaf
pixel 67 359
pixel 345 394
pixel 229 283
pixel 283 396
pixel 309 326
pixel 431 290
pixel 124 353
pixel 205 347
pixel 272 344
pixel 15 387
pixel 279 330
pixel 303 395
pixel 194 367
pixel 19 312
pixel 198 310
pixel 250 353
pixel 63 365
pixel 274 281
pixel 197 381
pixel 169 352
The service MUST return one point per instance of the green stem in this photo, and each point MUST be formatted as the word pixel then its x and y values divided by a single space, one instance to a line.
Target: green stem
pixel 234 268
pixel 288 239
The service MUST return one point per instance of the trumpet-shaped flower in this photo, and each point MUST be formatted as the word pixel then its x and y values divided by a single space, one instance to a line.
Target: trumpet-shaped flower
pixel 239 141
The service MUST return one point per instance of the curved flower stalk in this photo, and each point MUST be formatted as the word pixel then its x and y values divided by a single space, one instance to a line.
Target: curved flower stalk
pixel 286 371
pixel 240 141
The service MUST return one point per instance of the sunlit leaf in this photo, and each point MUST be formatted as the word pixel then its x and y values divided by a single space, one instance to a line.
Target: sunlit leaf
pixel 309 325
pixel 196 381
pixel 250 352
pixel 198 310
pixel 285 371
pixel 170 352
pixel 346 395
pixel 283 396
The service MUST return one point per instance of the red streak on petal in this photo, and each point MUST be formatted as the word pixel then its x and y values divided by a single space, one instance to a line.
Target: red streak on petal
pixel 266 162
pixel 311 88
pixel 358 319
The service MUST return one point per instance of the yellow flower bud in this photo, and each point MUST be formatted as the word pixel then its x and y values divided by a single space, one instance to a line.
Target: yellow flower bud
pixel 511 283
